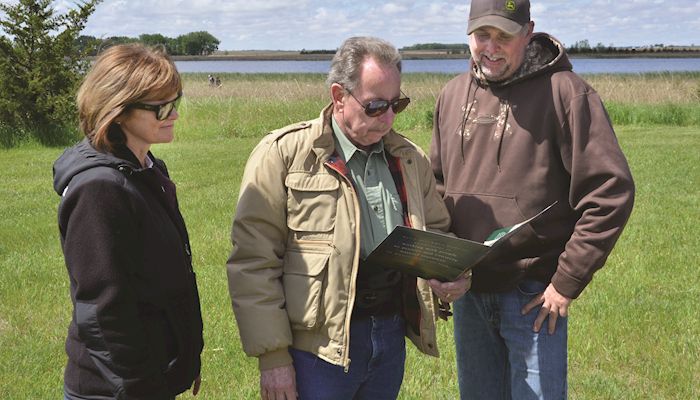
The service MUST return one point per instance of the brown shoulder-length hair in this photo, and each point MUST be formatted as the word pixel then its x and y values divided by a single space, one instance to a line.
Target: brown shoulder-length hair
pixel 122 75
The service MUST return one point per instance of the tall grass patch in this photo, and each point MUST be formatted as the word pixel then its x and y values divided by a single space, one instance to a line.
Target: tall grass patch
pixel 648 88
pixel 654 114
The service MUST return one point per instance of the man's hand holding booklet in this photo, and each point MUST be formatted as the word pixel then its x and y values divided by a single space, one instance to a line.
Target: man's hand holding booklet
pixel 431 255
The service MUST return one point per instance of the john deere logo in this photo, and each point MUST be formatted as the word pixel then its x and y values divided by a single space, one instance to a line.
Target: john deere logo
pixel 510 5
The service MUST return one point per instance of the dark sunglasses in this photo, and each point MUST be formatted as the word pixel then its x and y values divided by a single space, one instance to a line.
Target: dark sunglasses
pixel 162 111
pixel 376 108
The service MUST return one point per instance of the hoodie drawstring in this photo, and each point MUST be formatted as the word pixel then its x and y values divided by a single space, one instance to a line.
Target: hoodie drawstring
pixel 500 133
pixel 467 109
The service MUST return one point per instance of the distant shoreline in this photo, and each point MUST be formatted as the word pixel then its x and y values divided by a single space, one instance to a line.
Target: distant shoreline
pixel 254 55
pixel 297 56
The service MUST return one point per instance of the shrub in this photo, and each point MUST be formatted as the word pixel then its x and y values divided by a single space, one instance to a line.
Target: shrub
pixel 40 67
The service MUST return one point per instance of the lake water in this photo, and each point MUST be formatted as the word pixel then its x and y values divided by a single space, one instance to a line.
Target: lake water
pixel 581 65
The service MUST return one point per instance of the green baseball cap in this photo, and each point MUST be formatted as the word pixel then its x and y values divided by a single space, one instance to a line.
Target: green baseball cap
pixel 506 15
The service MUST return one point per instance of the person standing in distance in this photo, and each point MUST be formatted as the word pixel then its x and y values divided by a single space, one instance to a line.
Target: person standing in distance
pixel 516 133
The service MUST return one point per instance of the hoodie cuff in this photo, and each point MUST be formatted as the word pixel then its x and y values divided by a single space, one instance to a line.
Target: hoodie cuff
pixel 567 286
pixel 274 359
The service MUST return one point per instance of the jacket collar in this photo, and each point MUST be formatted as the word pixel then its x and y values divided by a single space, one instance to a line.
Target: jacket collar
pixel 324 146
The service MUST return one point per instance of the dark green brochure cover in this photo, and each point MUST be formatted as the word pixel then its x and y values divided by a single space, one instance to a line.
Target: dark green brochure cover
pixel 432 255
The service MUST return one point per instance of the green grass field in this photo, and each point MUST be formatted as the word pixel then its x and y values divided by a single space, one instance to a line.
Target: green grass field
pixel 634 333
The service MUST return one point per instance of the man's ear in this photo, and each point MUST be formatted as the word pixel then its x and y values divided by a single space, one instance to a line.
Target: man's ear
pixel 337 96
pixel 531 29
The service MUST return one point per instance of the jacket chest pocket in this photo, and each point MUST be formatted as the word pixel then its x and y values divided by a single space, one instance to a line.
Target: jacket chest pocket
pixel 312 201
pixel 304 273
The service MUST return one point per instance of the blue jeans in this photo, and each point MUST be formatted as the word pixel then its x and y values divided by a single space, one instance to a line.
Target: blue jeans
pixel 377 357
pixel 499 356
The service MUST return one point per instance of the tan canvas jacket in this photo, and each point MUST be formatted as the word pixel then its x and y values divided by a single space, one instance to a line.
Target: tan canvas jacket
pixel 296 245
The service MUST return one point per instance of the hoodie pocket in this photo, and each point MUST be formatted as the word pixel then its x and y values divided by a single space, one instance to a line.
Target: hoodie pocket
pixel 476 215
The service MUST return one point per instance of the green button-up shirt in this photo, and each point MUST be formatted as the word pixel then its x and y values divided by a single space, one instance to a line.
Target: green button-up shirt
pixel 380 204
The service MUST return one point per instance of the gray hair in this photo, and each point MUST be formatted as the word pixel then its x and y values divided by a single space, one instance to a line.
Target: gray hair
pixel 345 67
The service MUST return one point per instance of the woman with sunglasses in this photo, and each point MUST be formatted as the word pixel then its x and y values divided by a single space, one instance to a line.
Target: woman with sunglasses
pixel 136 328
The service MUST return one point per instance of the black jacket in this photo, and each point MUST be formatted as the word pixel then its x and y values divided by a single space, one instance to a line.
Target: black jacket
pixel 136 331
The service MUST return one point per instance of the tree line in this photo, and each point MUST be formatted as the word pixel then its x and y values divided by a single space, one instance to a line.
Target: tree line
pixel 585 47
pixel 200 43
pixel 459 48
pixel 578 47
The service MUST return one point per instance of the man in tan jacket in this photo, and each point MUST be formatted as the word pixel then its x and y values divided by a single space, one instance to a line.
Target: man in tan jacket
pixel 316 198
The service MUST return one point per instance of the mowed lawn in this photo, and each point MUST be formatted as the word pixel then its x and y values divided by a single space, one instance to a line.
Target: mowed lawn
pixel 634 333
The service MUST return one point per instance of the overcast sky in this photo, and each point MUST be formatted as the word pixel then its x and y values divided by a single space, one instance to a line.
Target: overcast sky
pixel 316 24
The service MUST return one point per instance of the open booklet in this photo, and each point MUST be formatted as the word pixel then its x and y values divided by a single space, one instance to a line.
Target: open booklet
pixel 432 255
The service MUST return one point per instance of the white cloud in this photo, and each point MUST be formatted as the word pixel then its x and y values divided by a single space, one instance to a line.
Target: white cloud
pixel 317 24
pixel 393 8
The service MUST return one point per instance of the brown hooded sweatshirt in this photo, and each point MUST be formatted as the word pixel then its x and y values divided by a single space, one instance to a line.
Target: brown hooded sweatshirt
pixel 503 151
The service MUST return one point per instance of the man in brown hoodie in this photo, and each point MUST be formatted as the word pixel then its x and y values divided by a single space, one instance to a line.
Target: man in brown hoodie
pixel 516 133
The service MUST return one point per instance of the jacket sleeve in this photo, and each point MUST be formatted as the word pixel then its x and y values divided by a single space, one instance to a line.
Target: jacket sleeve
pixel 98 223
pixel 601 192
pixel 437 217
pixel 254 268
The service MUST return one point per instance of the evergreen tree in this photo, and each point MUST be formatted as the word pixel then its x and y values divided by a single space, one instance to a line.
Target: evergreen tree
pixel 40 67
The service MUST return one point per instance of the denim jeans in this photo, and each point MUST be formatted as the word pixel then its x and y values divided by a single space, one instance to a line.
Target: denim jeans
pixel 499 356
pixel 377 357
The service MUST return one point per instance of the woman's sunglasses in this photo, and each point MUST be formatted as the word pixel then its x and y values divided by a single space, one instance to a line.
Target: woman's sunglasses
pixel 162 111
pixel 376 108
